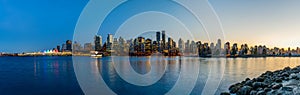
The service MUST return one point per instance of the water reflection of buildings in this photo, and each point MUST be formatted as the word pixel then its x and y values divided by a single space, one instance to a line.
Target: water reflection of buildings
pixel 141 65
pixel 55 67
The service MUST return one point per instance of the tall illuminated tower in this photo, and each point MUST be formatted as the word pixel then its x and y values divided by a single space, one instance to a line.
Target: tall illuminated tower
pixel 181 45
pixel 109 41
pixel 68 45
pixel 98 43
pixel 158 41
pixel 158 36
pixel 163 39
pixel 58 48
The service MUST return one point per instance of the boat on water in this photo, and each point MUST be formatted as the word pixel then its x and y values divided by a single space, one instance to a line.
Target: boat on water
pixel 96 55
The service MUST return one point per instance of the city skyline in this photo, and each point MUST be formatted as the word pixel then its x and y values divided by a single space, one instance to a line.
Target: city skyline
pixel 164 44
pixel 92 46
pixel 27 25
pixel 151 47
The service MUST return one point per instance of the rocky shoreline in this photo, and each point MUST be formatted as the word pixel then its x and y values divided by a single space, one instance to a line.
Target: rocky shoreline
pixel 280 82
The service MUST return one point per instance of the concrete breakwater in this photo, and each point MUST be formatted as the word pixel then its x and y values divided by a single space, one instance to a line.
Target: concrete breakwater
pixel 280 82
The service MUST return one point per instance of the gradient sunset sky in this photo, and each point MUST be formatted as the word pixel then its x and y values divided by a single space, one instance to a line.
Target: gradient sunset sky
pixel 37 25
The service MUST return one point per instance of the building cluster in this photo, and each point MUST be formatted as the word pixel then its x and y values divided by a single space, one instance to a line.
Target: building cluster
pixel 165 45
pixel 162 44
pixel 142 47
pixel 258 50
pixel 139 46
pixel 66 47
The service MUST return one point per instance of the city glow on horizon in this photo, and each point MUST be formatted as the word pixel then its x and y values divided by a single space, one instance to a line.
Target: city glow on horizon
pixel 256 22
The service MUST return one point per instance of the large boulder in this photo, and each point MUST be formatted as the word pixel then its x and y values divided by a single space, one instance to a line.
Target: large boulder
pixel 245 90
pixel 234 88
pixel 256 85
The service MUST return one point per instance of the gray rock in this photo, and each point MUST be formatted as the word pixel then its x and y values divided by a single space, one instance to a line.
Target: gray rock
pixel 253 92
pixel 278 80
pixel 256 85
pixel 247 79
pixel 273 92
pixel 234 88
pixel 277 86
pixel 261 93
pixel 287 68
pixel 285 74
pixel 245 90
pixel 287 88
pixel 249 83
pixel 293 76
pixel 297 90
pixel 267 89
pixel 260 79
pixel 225 93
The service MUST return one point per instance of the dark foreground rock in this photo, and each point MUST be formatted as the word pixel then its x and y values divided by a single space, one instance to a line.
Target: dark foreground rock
pixel 280 82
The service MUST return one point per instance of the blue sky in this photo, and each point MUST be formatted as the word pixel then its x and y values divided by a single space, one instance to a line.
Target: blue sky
pixel 34 25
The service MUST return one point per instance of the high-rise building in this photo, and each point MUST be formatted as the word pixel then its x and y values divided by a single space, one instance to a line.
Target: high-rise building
pixel 158 36
pixel 110 38
pixel 68 45
pixel 64 47
pixel 187 46
pixel 140 44
pixel 158 41
pixel 76 47
pixel 244 49
pixel 217 49
pixel 155 46
pixel 109 42
pixel 259 50
pixel 163 39
pixel 204 50
pixel 227 48
pixel 122 41
pixel 212 46
pixel 115 44
pixel 170 43
pixel 58 48
pixel 265 50
pixel 234 49
pixel 181 45
pixel 148 46
pixel 98 43
pixel 193 47
pixel 199 44
pixel 88 47
pixel 218 45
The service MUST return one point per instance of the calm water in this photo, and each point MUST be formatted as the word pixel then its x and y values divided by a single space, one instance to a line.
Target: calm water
pixel 55 75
